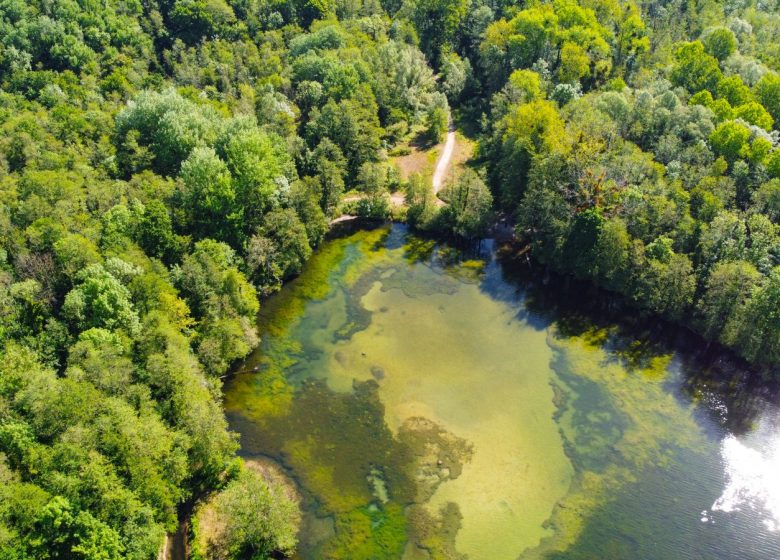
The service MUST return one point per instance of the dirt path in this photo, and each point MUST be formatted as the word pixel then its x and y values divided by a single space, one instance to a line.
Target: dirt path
pixel 443 164
pixel 397 198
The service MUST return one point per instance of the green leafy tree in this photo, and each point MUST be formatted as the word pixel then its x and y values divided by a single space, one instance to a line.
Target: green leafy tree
pixel 74 253
pixel 668 287
pixel 528 130
pixel 734 90
pixel 285 230
pixel 768 93
pixel 724 239
pixel 437 23
pixel 193 20
pixel 258 166
pixel 727 289
pixel 730 139
pixel 209 195
pixel 469 206
pixel 422 209
pixel 212 282
pixel 753 329
pixel 611 263
pixel 99 300
pixel 257 520
pixel 330 166
pixel 579 250
pixel 351 126
pixel 161 129
pixel 438 120
pixel 766 200
pixel 754 113
pixel 155 233
pixel 62 531
pixel 720 43
pixel 306 195
pixel 694 69
pixel 222 298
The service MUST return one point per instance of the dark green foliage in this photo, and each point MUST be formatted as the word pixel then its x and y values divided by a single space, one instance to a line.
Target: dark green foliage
pixel 288 234
pixel 469 206
pixel 579 251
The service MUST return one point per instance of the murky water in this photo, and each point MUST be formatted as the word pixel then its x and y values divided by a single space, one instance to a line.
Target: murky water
pixel 429 405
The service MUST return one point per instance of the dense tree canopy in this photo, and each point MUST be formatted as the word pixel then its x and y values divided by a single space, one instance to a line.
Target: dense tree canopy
pixel 653 176
pixel 164 163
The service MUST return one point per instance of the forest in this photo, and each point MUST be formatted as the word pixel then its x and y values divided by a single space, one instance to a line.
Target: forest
pixel 165 164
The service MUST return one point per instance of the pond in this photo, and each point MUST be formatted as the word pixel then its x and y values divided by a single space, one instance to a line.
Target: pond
pixel 431 403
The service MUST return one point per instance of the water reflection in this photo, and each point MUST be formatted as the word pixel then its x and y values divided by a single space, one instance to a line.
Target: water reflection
pixel 752 468
pixel 433 402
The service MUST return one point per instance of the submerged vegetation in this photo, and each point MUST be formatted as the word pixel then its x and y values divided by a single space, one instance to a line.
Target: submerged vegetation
pixel 166 163
pixel 541 435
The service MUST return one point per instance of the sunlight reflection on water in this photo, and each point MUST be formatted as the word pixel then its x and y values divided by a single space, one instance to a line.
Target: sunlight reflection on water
pixel 752 471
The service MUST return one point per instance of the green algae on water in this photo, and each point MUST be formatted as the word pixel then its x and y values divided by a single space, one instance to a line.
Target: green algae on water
pixel 425 413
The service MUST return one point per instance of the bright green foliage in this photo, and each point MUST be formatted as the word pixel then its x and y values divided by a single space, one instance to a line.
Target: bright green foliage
pixel 754 113
pixel 157 157
pixel 456 73
pixel 525 85
pixel 668 287
pixel 734 90
pixel 329 164
pixel 724 239
pixel 306 196
pixel 730 139
pixel 209 194
pixel 611 254
pixel 773 164
pixel 729 285
pixel 422 210
pixel 212 282
pixel 766 199
pixel 68 534
pixel 720 107
pixel 564 24
pixel 753 328
pixel 405 84
pixel 99 300
pixel 256 165
pixel 351 126
pixel 222 298
pixel 159 130
pixel 155 232
pixel 695 70
pixel 527 130
pixel 151 155
pixel 630 35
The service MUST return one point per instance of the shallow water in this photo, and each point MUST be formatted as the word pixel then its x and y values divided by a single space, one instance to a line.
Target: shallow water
pixel 430 405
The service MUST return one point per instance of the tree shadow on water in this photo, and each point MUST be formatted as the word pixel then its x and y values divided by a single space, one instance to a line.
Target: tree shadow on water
pixel 727 392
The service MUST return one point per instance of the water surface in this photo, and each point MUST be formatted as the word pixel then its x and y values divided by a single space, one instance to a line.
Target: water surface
pixel 430 405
